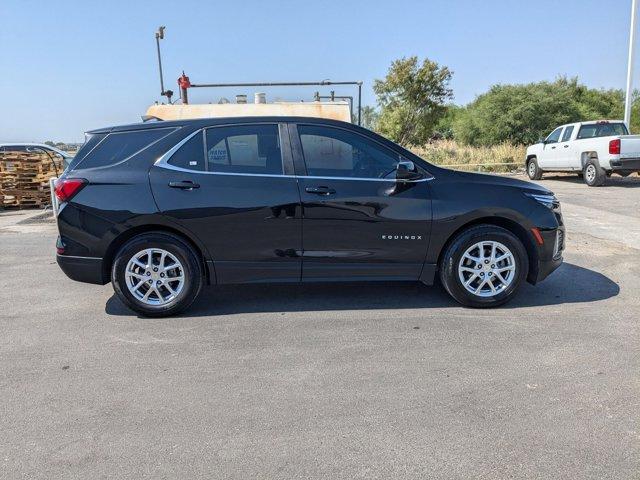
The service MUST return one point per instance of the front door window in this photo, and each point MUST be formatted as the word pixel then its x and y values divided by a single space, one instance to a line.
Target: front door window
pixel 334 152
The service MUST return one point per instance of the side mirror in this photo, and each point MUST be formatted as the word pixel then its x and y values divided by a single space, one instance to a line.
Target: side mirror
pixel 406 170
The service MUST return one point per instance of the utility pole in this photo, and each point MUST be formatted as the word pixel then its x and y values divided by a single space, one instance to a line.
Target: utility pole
pixel 163 92
pixel 632 34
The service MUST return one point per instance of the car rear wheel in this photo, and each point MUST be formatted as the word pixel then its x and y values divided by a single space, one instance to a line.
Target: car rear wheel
pixel 533 170
pixel 157 274
pixel 484 266
pixel 594 175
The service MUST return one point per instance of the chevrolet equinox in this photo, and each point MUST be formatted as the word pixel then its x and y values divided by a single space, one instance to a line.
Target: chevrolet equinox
pixel 161 209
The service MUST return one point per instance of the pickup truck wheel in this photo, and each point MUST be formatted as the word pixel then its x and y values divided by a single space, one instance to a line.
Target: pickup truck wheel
pixel 594 175
pixel 484 266
pixel 533 170
pixel 156 274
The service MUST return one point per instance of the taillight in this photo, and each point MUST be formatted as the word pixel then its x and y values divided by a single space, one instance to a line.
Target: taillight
pixel 614 147
pixel 67 188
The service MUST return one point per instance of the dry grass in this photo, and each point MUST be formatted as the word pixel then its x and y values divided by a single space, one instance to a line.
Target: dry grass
pixel 498 158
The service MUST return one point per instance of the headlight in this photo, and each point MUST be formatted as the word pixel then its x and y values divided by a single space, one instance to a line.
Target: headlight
pixel 549 200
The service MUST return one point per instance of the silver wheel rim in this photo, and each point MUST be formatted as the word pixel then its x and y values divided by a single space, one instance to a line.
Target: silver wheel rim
pixel 154 276
pixel 487 268
pixel 532 169
pixel 590 173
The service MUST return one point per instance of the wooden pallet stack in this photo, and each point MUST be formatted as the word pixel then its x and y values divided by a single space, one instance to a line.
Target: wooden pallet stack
pixel 24 178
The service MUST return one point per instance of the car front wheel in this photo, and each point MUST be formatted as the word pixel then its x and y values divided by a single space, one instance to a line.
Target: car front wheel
pixel 484 266
pixel 533 170
pixel 157 274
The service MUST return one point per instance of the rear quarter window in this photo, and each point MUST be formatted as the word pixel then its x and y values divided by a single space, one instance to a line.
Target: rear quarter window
pixel 116 147
pixel 90 141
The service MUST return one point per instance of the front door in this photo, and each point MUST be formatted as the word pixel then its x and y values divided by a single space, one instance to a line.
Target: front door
pixel 227 186
pixel 550 154
pixel 359 222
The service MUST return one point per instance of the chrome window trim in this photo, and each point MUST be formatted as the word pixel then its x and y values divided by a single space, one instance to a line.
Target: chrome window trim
pixel 163 162
pixel 363 179
pixel 168 166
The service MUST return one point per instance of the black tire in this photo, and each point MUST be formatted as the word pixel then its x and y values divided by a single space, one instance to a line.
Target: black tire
pixel 533 170
pixel 593 174
pixel 451 258
pixel 181 250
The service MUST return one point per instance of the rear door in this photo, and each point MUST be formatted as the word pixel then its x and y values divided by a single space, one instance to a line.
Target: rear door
pixel 567 157
pixel 359 222
pixel 233 187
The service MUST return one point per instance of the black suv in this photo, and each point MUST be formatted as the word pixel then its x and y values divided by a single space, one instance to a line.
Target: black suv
pixel 163 208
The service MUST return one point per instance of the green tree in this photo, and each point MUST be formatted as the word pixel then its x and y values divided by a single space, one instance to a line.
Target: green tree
pixel 524 113
pixel 369 117
pixel 412 100
pixel 444 128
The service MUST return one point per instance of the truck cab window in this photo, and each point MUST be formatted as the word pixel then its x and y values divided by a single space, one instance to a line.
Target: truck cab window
pixel 567 133
pixel 554 136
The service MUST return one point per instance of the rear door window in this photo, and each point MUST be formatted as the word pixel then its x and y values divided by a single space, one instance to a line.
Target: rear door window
pixel 567 133
pixel 119 146
pixel 248 149
pixel 190 156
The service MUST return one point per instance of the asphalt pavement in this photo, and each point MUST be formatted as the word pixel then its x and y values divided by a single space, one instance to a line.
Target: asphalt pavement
pixel 384 381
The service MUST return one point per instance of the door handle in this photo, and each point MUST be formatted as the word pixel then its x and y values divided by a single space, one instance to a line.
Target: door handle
pixel 566 146
pixel 553 147
pixel 320 190
pixel 184 185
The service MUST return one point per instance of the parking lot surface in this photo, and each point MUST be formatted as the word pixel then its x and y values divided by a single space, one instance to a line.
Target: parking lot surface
pixel 330 381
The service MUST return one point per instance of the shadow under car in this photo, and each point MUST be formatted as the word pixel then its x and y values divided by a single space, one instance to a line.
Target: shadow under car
pixel 569 284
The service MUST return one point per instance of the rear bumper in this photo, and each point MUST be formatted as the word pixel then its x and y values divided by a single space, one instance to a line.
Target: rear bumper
pixel 82 269
pixel 625 165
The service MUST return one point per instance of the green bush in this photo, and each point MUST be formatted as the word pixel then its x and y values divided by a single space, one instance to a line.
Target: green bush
pixel 522 114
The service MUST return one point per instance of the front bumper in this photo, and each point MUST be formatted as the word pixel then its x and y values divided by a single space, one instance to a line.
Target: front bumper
pixel 82 269
pixel 549 253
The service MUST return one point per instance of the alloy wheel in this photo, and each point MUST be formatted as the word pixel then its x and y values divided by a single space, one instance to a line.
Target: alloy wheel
pixel 487 268
pixel 154 276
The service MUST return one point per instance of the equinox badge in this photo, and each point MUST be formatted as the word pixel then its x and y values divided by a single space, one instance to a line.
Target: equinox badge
pixel 402 237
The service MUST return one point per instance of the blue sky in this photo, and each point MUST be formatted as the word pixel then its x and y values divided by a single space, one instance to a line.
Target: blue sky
pixel 70 66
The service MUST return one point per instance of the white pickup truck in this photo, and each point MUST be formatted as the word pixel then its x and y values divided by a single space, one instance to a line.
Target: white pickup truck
pixel 594 150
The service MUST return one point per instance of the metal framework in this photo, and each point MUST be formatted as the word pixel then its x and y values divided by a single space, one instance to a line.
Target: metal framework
pixel 185 85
